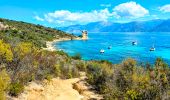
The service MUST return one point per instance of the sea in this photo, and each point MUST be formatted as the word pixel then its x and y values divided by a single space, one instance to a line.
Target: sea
pixel 121 46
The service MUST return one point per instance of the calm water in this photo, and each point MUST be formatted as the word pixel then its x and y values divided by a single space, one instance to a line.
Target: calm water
pixel 121 46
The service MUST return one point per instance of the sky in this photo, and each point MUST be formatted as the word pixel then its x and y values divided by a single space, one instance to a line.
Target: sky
pixel 59 13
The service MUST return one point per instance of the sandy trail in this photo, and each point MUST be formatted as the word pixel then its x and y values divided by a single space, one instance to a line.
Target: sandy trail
pixel 59 89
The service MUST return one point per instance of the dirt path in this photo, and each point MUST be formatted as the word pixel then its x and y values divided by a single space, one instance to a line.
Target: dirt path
pixel 58 89
pixel 86 89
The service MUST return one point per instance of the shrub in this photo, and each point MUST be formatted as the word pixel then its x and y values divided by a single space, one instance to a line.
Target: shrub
pixel 48 77
pixel 96 75
pixel 23 49
pixel 132 95
pixel 129 65
pixel 5 52
pixel 57 70
pixel 4 82
pixel 75 72
pixel 69 74
pixel 16 88
pixel 61 53
pixel 81 66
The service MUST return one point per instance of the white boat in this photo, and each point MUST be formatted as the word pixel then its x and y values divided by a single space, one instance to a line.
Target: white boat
pixel 134 43
pixel 101 51
pixel 152 48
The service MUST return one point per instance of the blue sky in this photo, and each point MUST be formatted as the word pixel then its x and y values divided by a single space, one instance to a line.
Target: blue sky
pixel 55 13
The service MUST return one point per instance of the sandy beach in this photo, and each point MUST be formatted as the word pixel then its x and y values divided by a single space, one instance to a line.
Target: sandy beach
pixel 50 46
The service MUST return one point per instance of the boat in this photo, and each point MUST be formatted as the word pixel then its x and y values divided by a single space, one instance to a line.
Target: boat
pixel 101 51
pixel 109 47
pixel 134 43
pixel 152 48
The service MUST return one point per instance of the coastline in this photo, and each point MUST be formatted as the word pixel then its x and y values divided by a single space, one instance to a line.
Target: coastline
pixel 50 46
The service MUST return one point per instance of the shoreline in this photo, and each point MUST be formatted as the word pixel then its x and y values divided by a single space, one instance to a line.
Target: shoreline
pixel 50 46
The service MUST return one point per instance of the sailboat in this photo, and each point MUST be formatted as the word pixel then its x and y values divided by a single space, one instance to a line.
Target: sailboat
pixel 134 43
pixel 101 51
pixel 152 48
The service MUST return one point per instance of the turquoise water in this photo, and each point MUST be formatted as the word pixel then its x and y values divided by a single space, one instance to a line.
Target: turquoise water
pixel 121 46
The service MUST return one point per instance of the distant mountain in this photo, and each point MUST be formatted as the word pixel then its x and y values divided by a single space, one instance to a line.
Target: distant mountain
pixel 163 27
pixel 136 26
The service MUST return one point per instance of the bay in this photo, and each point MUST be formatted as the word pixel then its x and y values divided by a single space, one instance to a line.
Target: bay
pixel 122 48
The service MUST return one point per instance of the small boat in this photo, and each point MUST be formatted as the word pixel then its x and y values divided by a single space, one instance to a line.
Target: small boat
pixel 134 43
pixel 109 47
pixel 101 51
pixel 152 48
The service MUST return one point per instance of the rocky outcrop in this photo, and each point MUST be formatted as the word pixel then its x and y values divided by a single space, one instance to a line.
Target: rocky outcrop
pixel 2 26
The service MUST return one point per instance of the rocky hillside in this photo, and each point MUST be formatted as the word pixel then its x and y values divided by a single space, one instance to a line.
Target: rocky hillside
pixel 27 32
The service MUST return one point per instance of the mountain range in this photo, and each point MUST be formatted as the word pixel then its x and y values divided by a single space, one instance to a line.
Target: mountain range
pixel 158 25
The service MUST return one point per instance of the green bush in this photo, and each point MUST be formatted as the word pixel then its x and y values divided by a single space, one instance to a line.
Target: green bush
pixel 48 77
pixel 16 88
pixel 57 70
pixel 4 83
pixel 69 74
pixel 61 53
pixel 81 66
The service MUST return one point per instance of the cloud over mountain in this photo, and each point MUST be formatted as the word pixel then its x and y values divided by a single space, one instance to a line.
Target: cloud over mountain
pixel 66 17
pixel 130 9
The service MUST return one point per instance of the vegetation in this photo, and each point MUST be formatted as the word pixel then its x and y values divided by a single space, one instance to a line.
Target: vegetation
pixel 4 82
pixel 129 81
pixel 22 60
pixel 16 88
pixel 26 32
pixel 77 57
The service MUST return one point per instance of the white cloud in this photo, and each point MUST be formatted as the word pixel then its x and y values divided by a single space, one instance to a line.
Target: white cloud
pixel 165 8
pixel 106 5
pixel 130 10
pixel 38 18
pixel 65 17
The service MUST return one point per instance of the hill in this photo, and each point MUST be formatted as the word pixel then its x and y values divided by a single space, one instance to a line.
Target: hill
pixel 163 27
pixel 27 32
